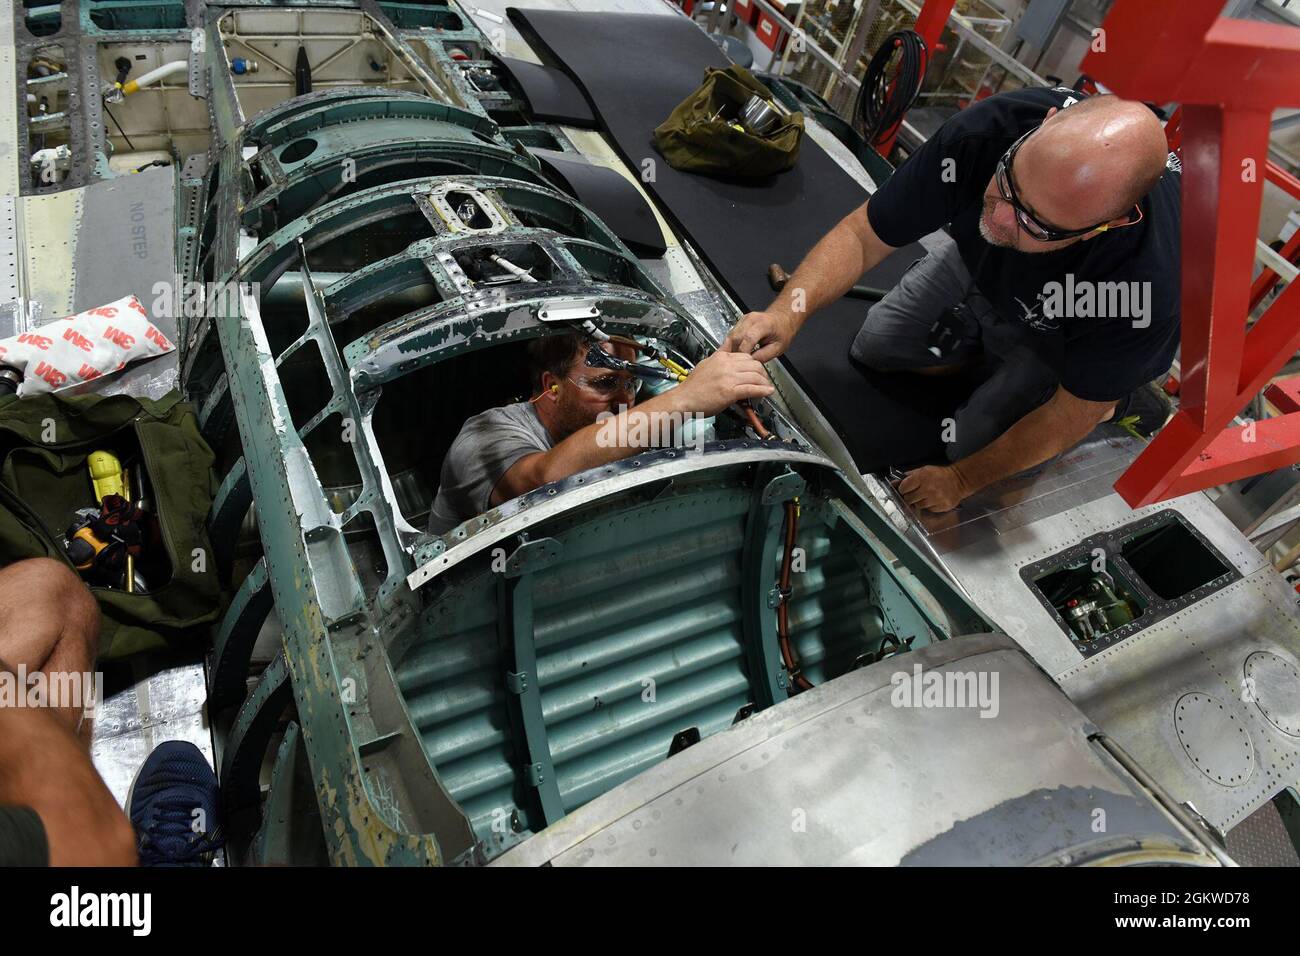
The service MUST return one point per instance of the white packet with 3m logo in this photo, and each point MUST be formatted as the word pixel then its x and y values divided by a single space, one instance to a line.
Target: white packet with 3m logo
pixel 85 346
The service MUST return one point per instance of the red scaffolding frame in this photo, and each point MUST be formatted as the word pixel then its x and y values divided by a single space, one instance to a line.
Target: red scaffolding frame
pixel 1229 75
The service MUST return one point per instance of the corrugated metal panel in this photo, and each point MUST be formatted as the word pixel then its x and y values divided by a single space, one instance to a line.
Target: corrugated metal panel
pixel 833 618
pixel 639 636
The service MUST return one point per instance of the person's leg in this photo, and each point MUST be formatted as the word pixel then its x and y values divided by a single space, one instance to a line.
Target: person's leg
pixel 1021 371
pixel 49 622
pixel 1017 386
pixel 894 336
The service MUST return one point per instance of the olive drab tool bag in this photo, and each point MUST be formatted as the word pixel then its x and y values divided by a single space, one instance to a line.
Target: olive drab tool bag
pixel 704 134
pixel 45 441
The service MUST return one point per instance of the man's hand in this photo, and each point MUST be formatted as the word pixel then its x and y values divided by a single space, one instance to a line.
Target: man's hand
pixel 720 380
pixel 934 488
pixel 769 332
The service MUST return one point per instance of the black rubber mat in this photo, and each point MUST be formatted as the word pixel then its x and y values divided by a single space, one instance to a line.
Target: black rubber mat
pixel 634 69
pixel 552 96
pixel 884 418
pixel 610 196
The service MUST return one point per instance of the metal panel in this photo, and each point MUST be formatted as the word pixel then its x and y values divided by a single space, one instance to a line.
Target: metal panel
pixel 816 781
pixel 168 704
pixel 1274 684
pixel 1133 690
pixel 1040 21
pixel 64 237
pixel 13 299
pixel 11 149
pixel 51 228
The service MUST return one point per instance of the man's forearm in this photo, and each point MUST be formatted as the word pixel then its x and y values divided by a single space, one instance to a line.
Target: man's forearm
pixel 829 270
pixel 1046 431
pixel 613 439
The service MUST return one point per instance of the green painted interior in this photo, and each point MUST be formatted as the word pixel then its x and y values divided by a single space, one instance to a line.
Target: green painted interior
pixel 137 15
pixel 643 592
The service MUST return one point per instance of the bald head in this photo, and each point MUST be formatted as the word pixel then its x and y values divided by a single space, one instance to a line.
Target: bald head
pixel 1095 158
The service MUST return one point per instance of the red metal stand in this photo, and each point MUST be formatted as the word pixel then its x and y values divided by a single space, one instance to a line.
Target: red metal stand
pixel 1229 75
pixel 932 19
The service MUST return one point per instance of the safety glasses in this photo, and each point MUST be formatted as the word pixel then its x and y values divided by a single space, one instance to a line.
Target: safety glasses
pixel 1031 225
pixel 609 384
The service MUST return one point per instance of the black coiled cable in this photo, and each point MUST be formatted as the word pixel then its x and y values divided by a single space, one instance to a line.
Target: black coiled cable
pixel 884 100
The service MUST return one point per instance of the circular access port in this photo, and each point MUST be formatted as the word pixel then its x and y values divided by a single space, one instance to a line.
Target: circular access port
pixel 298 150
pixel 1214 739
pixel 1274 683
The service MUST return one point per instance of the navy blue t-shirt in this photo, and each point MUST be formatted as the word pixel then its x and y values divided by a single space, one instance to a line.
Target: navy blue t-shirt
pixel 1106 335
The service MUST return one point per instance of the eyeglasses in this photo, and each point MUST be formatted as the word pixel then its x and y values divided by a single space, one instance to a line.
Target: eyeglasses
pixel 1033 227
pixel 609 384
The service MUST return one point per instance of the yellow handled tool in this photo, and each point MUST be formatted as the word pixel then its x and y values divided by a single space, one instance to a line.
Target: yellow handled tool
pixel 106 474
pixel 108 477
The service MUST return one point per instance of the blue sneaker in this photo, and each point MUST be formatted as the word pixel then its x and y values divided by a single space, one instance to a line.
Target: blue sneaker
pixel 174 805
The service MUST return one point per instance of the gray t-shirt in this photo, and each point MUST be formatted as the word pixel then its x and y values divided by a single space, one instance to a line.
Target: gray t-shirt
pixel 487 446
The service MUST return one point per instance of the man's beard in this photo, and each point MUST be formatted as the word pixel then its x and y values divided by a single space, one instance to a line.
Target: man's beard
pixel 985 233
pixel 575 418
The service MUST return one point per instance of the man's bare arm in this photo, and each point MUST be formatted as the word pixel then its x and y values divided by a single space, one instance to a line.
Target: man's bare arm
pixel 1048 430
pixel 1061 422
pixel 828 271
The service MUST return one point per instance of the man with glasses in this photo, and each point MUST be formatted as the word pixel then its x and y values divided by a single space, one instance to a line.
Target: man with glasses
pixel 505 452
pixel 1058 279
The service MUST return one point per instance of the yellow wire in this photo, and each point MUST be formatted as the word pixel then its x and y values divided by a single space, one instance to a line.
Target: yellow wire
pixel 673 367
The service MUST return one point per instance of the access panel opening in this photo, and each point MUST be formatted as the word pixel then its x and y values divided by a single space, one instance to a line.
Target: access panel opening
pixel 1115 584
pixel 1171 560
pixel 1090 599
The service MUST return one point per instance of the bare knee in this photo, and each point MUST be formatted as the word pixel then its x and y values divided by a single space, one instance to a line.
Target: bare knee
pixel 77 607
pixel 52 590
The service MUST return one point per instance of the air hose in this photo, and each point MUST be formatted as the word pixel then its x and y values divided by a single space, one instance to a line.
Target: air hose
pixel 883 100
pixel 782 609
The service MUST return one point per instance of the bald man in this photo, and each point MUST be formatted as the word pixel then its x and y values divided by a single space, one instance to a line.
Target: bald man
pixel 1058 278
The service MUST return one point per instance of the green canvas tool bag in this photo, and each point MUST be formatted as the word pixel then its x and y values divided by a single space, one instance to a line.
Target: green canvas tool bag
pixel 699 136
pixel 44 442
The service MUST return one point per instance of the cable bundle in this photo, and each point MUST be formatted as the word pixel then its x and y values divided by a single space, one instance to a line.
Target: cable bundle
pixel 883 101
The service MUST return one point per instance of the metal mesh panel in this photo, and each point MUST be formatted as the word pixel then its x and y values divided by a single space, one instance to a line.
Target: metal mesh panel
pixel 957 73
